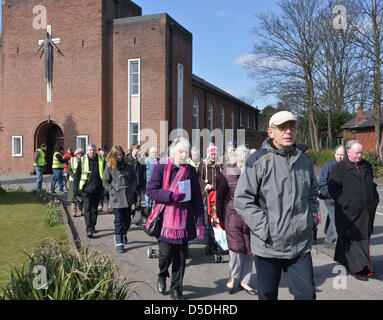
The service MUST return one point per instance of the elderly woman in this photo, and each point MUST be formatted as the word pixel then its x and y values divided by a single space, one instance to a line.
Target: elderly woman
pixel 119 181
pixel 237 232
pixel 72 166
pixel 180 214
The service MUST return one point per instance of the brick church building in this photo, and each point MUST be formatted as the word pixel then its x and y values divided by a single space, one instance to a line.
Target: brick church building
pixel 74 72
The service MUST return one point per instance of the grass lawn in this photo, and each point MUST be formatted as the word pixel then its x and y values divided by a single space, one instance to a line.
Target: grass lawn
pixel 22 228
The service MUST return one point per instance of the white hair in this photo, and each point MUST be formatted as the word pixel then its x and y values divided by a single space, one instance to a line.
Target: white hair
pixel 175 144
pixel 153 150
pixel 350 143
pixel 240 155
pixel 195 149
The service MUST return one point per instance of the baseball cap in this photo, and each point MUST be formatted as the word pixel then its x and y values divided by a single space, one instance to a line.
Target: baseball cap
pixel 281 117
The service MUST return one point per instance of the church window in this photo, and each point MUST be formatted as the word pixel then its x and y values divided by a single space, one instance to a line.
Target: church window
pixel 195 113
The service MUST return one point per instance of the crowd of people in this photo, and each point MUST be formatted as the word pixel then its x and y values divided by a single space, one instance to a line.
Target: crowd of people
pixel 266 200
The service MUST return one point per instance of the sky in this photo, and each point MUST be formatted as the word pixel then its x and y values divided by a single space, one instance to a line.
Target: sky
pixel 221 38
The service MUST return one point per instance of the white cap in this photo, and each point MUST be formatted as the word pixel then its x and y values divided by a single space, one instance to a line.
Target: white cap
pixel 281 117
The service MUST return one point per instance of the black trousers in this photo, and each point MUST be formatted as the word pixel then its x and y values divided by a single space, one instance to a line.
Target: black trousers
pixel 90 204
pixel 122 218
pixel 175 255
pixel 299 273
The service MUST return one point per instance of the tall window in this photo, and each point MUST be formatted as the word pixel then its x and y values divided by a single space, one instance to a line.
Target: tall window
pixel 134 77
pixel 134 100
pixel 248 121
pixel 81 142
pixel 17 146
pixel 232 119
pixel 223 129
pixel 195 113
pixel 240 119
pixel 210 117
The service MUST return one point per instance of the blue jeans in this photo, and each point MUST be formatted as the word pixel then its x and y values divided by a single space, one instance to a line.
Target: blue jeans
pixel 57 177
pixel 122 218
pixel 299 273
pixel 39 180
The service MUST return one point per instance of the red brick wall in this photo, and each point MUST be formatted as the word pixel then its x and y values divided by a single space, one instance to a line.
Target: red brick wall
pixel 368 137
pixel 77 75
pixel 90 79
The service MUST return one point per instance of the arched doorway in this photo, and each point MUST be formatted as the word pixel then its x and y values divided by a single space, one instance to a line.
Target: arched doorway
pixel 50 133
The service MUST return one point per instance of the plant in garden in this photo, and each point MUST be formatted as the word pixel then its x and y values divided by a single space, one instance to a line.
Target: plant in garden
pixel 53 216
pixel 68 275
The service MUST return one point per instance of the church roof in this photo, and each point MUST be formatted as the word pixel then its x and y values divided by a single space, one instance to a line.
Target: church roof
pixel 203 83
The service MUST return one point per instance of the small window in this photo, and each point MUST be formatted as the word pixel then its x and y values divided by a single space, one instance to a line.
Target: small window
pixel 17 146
pixel 240 119
pixel 82 142
pixel 232 119
pixel 248 121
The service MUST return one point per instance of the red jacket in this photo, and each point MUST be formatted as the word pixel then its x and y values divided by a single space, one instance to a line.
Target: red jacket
pixel 67 156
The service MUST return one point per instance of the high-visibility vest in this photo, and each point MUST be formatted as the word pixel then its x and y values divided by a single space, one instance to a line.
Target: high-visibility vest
pixel 192 163
pixel 73 164
pixel 41 160
pixel 57 164
pixel 85 169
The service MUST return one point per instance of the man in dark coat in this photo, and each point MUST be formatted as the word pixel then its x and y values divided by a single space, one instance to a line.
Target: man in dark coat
pixel 351 186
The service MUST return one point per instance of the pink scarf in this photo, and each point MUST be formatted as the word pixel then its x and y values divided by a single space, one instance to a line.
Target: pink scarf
pixel 175 214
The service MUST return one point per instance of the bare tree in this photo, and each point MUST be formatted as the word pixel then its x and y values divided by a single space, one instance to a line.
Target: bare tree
pixel 338 65
pixel 285 56
pixel 369 37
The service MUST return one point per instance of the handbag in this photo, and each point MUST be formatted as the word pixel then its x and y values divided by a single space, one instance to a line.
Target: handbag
pixel 154 229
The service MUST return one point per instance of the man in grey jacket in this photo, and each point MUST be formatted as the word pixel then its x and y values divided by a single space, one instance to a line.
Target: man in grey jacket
pixel 276 196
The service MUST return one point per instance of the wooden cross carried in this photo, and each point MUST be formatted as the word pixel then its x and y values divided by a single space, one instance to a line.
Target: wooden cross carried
pixel 47 45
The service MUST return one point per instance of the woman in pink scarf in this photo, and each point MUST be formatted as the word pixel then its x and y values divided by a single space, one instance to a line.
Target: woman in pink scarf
pixel 180 215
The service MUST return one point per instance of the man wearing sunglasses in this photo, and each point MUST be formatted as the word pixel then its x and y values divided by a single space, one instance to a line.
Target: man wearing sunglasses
pixel 276 196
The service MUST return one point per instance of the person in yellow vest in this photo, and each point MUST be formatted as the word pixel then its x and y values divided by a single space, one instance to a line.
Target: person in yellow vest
pixel 58 164
pixel 195 158
pixel 39 163
pixel 88 181
pixel 72 167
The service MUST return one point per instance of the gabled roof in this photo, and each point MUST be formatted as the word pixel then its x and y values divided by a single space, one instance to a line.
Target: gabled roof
pixel 369 122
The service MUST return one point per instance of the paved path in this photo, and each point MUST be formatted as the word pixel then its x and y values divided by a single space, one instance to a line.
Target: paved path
pixel 204 279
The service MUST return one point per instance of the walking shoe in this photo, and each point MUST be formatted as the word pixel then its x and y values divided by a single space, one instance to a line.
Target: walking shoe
pixel 361 277
pixel 176 295
pixel 89 234
pixel 161 285
pixel 249 291
pixel 119 244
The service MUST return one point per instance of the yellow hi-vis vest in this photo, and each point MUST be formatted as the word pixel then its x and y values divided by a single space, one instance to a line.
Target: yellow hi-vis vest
pixel 57 164
pixel 85 169
pixel 73 164
pixel 41 160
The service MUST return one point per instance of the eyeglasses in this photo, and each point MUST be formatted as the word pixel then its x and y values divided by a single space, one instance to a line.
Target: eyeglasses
pixel 284 127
